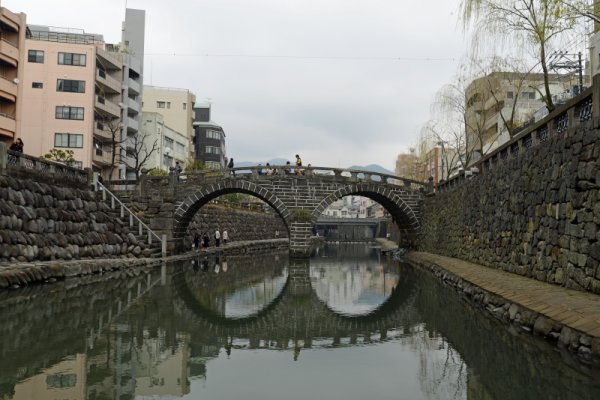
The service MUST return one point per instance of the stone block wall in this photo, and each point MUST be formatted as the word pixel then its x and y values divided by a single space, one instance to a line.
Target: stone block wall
pixel 536 215
pixel 41 221
pixel 241 225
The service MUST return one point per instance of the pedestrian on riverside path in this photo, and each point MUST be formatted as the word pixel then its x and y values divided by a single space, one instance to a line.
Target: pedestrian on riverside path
pixel 225 236
pixel 217 238
pixel 205 240
pixel 230 166
pixel 197 241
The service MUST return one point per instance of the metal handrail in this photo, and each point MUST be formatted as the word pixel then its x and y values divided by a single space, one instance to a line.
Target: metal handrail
pixel 132 216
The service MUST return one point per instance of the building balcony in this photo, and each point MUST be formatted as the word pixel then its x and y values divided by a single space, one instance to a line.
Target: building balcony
pixel 109 60
pixel 9 52
pixel 101 157
pixel 101 131
pixel 8 125
pixel 10 19
pixel 132 124
pixel 133 105
pixel 8 89
pixel 134 86
pixel 111 85
pixel 107 106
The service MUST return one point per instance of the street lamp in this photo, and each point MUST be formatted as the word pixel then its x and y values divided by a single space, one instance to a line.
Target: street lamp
pixel 441 143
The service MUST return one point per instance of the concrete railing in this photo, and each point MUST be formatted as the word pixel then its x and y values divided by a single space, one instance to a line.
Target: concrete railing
pixel 15 160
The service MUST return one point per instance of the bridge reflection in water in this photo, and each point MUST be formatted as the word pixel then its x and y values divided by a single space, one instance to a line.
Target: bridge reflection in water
pixel 347 322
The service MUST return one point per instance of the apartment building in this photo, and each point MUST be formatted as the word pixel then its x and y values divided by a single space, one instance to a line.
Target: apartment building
pixel 169 145
pixel 81 94
pixel 209 138
pixel 502 98
pixel 12 55
pixel 176 106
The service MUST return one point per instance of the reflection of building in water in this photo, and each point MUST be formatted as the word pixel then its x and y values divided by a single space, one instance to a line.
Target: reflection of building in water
pixel 64 380
pixel 161 370
pixel 124 366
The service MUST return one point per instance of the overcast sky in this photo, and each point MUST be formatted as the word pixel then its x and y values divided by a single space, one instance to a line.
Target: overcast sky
pixel 340 82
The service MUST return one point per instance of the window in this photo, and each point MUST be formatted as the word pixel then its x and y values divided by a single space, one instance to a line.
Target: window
pixel 168 142
pixel 213 135
pixel 179 147
pixel 212 150
pixel 68 140
pixel 66 112
pixel 71 59
pixel 68 85
pixel 168 104
pixel 61 381
pixel 35 56
pixel 509 95
pixel 531 95
pixel 184 106
pixel 160 104
pixel 167 160
pixel 212 164
pixel 37 85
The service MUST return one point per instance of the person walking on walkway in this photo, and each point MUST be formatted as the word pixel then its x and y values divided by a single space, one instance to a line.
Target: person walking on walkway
pixel 205 240
pixel 230 166
pixel 217 238
pixel 197 241
pixel 225 236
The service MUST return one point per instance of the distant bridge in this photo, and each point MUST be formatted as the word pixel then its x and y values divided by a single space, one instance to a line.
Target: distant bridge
pixel 298 199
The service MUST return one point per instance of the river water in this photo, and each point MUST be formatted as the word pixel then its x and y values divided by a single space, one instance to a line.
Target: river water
pixel 347 324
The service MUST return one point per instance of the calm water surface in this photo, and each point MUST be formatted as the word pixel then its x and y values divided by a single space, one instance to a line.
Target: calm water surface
pixel 348 324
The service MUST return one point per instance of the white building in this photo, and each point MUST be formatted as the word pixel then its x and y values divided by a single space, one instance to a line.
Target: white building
pixel 172 146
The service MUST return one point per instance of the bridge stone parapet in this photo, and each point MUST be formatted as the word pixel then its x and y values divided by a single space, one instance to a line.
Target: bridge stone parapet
pixel 299 199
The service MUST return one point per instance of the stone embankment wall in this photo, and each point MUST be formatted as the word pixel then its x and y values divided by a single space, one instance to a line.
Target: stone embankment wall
pixel 40 221
pixel 536 215
pixel 241 225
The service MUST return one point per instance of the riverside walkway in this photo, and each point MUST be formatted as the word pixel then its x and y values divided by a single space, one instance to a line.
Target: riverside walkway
pixel 570 317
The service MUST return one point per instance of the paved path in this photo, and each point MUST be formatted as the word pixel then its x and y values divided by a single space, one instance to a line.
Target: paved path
pixel 572 308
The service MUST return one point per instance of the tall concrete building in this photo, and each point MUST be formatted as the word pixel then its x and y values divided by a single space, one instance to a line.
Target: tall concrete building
pixel 176 107
pixel 209 138
pixel 12 56
pixel 82 94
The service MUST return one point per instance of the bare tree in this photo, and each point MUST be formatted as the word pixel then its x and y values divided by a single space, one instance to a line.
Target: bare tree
pixel 142 151
pixel 114 127
pixel 521 22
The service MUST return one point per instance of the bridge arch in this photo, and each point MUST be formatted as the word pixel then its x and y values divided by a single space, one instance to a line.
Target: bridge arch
pixel 194 201
pixel 405 215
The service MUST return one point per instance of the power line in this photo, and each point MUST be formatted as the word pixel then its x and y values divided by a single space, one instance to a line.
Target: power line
pixel 301 57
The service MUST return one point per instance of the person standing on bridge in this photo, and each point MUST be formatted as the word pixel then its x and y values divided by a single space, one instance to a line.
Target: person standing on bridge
pixel 230 166
pixel 217 238
pixel 298 165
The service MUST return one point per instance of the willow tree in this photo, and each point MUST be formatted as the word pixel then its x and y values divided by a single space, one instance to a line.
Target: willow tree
pixel 521 22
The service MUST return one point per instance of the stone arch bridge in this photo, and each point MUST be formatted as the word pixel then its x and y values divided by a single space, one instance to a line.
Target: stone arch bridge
pixel 298 199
